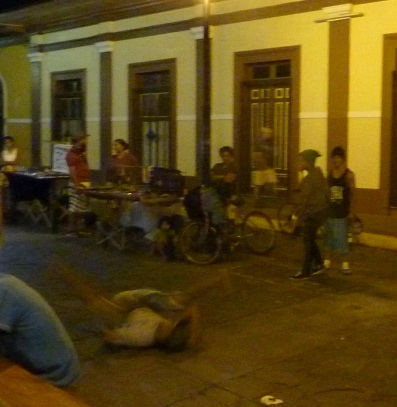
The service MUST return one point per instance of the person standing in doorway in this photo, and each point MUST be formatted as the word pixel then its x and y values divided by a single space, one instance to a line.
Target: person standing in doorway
pixel 341 184
pixel 311 212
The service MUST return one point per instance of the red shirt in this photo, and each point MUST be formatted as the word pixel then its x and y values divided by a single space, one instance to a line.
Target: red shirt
pixel 77 159
pixel 127 160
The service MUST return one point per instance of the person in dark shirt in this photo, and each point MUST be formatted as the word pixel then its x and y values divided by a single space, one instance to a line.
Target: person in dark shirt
pixel 311 212
pixel 222 187
pixel 341 184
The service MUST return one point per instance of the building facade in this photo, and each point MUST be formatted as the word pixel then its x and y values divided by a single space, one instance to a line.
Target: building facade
pixel 286 75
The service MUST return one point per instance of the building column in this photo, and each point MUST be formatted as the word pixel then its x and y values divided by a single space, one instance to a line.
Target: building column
pixel 338 18
pixel 36 59
pixel 105 122
pixel 203 103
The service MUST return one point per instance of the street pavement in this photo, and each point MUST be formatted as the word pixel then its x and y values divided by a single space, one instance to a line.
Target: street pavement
pixel 327 341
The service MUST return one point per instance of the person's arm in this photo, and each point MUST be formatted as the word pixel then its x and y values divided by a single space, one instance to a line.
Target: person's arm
pixel 216 175
pixel 73 176
pixel 304 194
pixel 230 177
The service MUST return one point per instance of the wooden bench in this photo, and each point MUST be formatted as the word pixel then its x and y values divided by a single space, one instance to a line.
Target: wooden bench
pixel 19 388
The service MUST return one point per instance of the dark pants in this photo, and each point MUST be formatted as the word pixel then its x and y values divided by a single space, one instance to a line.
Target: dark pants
pixel 313 256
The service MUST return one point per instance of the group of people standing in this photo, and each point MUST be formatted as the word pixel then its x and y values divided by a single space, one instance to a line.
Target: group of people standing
pixel 328 201
pixel 77 162
pixel 322 200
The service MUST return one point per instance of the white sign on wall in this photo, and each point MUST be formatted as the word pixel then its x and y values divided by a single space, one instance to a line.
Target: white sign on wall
pixel 59 152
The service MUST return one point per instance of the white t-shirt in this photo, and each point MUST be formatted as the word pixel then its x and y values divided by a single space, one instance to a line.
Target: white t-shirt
pixel 139 329
pixel 10 156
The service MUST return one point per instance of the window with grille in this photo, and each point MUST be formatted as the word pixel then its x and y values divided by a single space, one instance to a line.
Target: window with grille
pixel 68 105
pixel 153 113
pixel 268 97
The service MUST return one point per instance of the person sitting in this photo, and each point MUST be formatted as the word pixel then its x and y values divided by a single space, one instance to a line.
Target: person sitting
pixel 122 164
pixel 9 154
pixel 163 243
pixel 32 335
pixel 221 188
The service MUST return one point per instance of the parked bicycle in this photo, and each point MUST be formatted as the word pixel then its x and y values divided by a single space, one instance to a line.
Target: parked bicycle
pixel 200 242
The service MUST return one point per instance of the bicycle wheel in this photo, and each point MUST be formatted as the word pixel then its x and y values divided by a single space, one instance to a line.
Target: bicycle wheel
pixel 284 215
pixel 198 243
pixel 258 232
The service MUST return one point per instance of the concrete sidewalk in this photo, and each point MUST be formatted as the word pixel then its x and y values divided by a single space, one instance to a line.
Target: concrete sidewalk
pixel 327 341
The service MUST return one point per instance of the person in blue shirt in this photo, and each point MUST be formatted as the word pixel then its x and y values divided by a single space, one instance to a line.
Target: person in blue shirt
pixel 32 335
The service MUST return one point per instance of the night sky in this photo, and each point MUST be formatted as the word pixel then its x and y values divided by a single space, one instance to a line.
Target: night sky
pixel 8 5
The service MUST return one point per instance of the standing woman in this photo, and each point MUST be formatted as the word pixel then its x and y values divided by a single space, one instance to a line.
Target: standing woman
pixel 122 161
pixel 9 153
pixel 76 159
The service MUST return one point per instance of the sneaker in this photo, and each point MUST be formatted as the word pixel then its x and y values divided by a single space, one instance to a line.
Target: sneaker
pixel 346 268
pixel 317 270
pixel 300 275
pixel 71 234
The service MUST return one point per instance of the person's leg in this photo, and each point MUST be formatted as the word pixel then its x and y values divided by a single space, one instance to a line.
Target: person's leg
pixel 312 252
pixel 308 234
pixel 72 209
pixel 317 259
pixel 342 244
pixel 329 242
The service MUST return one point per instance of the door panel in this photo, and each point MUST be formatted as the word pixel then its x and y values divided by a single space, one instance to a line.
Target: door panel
pixel 268 129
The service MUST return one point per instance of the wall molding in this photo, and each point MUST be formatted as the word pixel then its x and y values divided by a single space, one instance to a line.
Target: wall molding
pixel 18 121
pixel 364 115
pixel 313 115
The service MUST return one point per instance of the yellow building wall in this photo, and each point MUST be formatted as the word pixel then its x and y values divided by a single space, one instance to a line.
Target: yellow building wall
pixel 268 34
pixel 366 58
pixel 87 58
pixel 15 69
pixel 180 46
pixel 293 30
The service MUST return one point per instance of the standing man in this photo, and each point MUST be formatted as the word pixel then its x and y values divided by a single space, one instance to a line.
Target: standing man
pixel 341 184
pixel 76 160
pixel 311 212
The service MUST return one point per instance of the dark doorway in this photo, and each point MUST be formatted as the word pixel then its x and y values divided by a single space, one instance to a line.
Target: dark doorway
pixel 266 126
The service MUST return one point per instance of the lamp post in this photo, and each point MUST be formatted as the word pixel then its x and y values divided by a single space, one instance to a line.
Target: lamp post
pixel 205 153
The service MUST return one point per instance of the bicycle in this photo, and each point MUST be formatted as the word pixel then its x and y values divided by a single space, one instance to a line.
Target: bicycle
pixel 202 243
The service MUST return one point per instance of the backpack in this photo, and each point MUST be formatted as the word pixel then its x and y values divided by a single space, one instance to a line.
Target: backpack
pixel 166 180
pixel 192 203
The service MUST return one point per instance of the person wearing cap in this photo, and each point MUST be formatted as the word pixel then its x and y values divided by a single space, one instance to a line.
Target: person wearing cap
pixel 311 212
pixel 76 160
pixel 341 185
